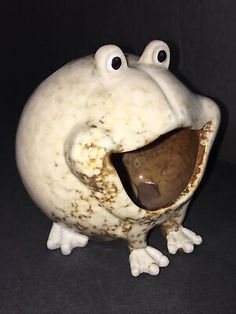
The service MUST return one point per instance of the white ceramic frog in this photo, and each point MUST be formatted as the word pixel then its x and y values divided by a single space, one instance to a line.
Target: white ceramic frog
pixel 113 145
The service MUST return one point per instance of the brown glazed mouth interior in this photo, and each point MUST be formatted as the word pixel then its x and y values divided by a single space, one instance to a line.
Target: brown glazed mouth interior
pixel 155 175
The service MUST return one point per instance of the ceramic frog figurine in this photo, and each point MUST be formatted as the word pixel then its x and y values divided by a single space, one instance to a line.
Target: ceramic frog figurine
pixel 112 145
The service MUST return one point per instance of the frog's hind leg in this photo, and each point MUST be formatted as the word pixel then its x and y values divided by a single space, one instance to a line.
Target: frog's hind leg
pixel 177 236
pixel 145 259
pixel 65 238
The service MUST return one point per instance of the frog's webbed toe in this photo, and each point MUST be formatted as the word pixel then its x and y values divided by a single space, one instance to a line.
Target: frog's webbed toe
pixel 147 260
pixel 65 238
pixel 184 239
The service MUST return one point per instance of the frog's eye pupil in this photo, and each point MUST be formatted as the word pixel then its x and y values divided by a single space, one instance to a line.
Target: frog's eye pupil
pixel 161 56
pixel 116 63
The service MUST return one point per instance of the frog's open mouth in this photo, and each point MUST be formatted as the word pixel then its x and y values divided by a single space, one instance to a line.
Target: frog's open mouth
pixel 155 175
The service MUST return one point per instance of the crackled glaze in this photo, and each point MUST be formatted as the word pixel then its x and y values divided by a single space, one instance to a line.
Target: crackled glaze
pixel 84 112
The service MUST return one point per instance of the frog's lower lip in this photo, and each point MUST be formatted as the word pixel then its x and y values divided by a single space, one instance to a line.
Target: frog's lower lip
pixel 156 175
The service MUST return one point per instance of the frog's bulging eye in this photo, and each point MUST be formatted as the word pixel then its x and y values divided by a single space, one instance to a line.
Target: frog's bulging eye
pixel 110 60
pixel 156 52
pixel 161 56
pixel 116 63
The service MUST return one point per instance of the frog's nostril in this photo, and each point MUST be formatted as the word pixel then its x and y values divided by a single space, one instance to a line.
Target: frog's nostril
pixel 155 175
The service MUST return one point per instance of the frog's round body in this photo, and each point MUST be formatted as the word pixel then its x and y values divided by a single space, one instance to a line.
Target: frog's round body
pixel 84 112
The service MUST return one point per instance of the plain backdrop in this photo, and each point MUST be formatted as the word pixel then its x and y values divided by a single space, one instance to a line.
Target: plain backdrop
pixel 38 37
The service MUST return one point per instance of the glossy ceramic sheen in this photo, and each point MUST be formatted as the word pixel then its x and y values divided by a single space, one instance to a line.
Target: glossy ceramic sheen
pixel 112 145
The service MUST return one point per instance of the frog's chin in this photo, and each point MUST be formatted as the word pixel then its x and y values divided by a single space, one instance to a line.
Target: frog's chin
pixel 158 174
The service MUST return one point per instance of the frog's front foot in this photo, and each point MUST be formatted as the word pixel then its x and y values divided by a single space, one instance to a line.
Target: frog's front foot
pixel 147 260
pixel 65 238
pixel 182 239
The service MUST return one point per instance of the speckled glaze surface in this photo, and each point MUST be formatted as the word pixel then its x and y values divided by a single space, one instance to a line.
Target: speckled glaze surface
pixel 112 145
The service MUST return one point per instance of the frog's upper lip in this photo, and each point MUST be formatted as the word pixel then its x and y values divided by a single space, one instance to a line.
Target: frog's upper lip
pixel 156 175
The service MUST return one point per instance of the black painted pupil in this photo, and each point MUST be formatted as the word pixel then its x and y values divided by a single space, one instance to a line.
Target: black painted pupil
pixel 116 63
pixel 161 57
